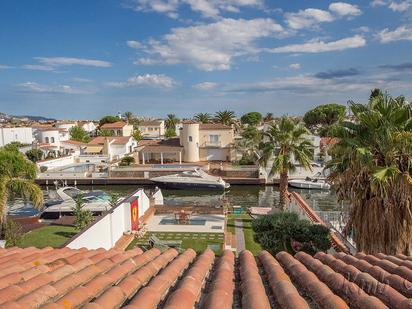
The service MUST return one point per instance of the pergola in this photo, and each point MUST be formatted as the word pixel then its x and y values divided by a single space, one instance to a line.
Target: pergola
pixel 162 150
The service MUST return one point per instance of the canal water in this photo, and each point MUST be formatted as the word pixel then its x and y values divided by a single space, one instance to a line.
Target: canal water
pixel 245 196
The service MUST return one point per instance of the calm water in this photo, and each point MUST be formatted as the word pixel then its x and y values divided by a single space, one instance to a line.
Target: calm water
pixel 244 196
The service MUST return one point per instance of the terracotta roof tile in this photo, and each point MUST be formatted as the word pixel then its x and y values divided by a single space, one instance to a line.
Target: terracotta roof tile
pixel 95 279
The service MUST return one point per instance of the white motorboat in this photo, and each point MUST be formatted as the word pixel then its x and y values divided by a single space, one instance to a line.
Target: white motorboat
pixel 196 179
pixel 309 183
pixel 96 201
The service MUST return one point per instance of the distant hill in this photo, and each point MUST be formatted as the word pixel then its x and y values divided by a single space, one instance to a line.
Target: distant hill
pixel 32 118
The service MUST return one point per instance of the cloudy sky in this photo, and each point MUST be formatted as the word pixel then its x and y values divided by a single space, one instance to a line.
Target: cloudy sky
pixel 85 59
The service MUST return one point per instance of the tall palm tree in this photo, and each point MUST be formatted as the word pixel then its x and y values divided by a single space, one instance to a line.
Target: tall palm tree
pixel 372 169
pixel 16 179
pixel 203 117
pixel 225 117
pixel 249 144
pixel 171 121
pixel 287 145
pixel 129 116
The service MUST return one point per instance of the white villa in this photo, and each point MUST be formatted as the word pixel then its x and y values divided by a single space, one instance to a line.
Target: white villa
pixel 152 129
pixel 22 135
pixel 114 147
pixel 118 128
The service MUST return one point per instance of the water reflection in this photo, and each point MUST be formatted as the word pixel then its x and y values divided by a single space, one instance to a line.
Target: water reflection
pixel 244 196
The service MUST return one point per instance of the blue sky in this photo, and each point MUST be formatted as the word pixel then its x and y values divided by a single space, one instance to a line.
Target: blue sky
pixel 86 59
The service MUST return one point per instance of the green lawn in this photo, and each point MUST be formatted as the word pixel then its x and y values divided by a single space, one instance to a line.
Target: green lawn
pixel 51 235
pixel 196 241
pixel 250 244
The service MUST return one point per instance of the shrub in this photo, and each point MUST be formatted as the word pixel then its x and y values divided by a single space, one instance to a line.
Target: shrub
pixel 82 217
pixel 286 232
pixel 12 232
pixel 126 161
pixel 34 155
pixel 43 169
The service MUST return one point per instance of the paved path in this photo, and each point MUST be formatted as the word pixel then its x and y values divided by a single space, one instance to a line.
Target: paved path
pixel 240 237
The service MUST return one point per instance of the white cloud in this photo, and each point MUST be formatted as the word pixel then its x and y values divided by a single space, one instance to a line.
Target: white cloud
pixel 345 9
pixel 134 44
pixel 211 46
pixel 38 67
pixel 400 33
pixel 312 17
pixel 42 88
pixel 321 46
pixel 206 86
pixel 3 66
pixel 64 61
pixel 396 6
pixel 152 80
pixel 207 8
pixel 294 66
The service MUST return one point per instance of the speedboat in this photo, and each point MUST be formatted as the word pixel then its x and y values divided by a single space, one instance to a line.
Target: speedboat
pixel 95 201
pixel 309 183
pixel 196 179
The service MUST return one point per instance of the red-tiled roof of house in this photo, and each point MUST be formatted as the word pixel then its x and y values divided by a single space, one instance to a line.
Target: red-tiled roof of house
pixel 75 143
pixel 117 140
pixel 150 123
pixel 214 126
pixel 114 125
pixel 67 278
pixel 171 144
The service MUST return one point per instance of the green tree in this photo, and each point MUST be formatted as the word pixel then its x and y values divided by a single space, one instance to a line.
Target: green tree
pixel 82 217
pixel 127 161
pixel 372 169
pixel 288 143
pixel 79 134
pixel 137 135
pixel 249 145
pixel 105 132
pixel 225 117
pixel 17 176
pixel 252 118
pixel 170 133
pixel 268 117
pixel 13 146
pixel 129 116
pixel 13 232
pixel 286 232
pixel 34 155
pixel 203 117
pixel 171 121
pixel 108 119
pixel 323 116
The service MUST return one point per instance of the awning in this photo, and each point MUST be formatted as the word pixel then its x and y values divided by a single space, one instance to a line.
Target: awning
pixel 93 149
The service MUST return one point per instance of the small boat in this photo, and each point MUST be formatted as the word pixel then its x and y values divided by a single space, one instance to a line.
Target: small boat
pixel 96 201
pixel 196 179
pixel 309 183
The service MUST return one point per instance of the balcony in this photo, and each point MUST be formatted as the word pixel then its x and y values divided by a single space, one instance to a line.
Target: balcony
pixel 212 144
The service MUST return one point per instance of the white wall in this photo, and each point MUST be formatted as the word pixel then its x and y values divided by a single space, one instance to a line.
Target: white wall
pixel 92 159
pixel 51 137
pixel 22 135
pixel 105 232
pixel 57 162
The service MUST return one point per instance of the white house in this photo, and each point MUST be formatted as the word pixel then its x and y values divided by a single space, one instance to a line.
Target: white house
pixel 65 125
pixel 115 147
pixel 118 128
pixel 152 129
pixel 89 126
pixel 18 134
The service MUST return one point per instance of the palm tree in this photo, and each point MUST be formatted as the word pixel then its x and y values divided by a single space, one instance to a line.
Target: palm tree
pixel 268 117
pixel 249 144
pixel 372 169
pixel 16 179
pixel 171 121
pixel 225 117
pixel 129 116
pixel 288 143
pixel 203 117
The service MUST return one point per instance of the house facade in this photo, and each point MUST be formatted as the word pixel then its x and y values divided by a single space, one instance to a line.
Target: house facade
pixel 118 128
pixel 154 129
pixel 22 135
pixel 115 147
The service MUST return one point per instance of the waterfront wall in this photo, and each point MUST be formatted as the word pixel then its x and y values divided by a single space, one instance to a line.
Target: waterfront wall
pixel 107 230
pixel 56 162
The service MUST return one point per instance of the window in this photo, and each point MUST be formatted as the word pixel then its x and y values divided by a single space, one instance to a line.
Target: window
pixel 52 140
pixel 214 139
pixel 190 139
pixel 46 140
pixel 150 129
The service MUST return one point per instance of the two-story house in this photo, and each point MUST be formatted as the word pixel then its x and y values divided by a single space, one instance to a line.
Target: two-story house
pixel 118 128
pixel 152 129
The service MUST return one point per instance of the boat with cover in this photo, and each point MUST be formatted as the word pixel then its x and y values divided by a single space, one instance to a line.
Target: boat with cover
pixel 196 179
pixel 309 183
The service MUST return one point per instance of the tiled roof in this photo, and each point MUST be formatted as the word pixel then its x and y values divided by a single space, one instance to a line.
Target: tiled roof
pixel 73 142
pixel 214 126
pixel 114 125
pixel 95 279
pixel 172 144
pixel 150 123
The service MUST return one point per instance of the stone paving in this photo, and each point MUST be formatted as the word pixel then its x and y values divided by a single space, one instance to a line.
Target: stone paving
pixel 240 237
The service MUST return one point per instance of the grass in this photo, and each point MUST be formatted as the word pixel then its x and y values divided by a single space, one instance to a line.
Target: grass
pixel 196 241
pixel 48 236
pixel 248 233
